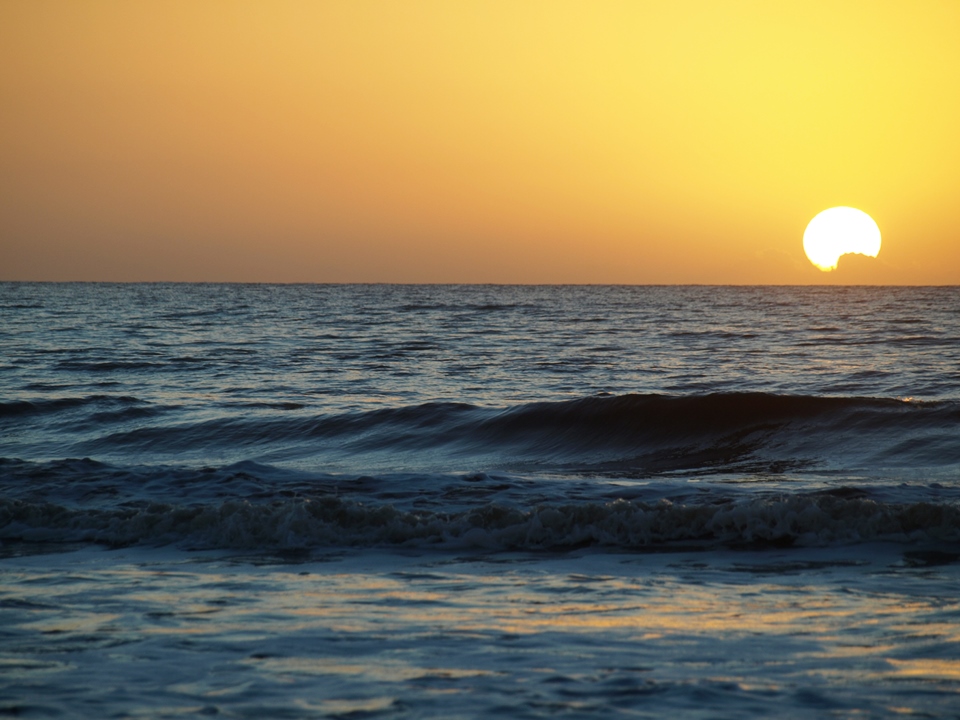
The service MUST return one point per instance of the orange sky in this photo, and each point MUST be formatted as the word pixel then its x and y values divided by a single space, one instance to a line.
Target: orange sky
pixel 515 141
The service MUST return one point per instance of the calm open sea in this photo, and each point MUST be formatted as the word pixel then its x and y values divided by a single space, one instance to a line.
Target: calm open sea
pixel 479 501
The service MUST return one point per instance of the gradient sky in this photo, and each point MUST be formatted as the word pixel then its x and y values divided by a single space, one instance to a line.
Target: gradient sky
pixel 516 141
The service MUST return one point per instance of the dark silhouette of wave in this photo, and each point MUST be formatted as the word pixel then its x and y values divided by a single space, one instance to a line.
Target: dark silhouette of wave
pixel 640 433
pixel 49 406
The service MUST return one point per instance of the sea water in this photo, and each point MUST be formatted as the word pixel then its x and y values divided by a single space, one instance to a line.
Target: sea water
pixel 479 501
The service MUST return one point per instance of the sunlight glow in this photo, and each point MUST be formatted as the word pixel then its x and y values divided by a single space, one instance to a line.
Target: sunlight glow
pixel 838 231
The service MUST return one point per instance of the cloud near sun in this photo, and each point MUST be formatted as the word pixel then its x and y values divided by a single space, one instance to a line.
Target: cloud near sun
pixel 839 231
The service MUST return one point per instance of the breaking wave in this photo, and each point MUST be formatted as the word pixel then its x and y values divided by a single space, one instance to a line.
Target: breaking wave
pixel 814 519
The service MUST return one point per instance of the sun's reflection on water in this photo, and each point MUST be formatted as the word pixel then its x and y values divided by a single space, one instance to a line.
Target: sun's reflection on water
pixel 344 632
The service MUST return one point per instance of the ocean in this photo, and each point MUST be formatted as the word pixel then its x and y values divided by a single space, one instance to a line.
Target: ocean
pixel 389 501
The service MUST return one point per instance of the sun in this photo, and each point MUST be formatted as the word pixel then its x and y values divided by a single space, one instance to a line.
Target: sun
pixel 838 231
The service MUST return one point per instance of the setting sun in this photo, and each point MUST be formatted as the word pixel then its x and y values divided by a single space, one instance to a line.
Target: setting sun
pixel 839 231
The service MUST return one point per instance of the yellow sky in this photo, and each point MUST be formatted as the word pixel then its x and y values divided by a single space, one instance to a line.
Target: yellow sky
pixel 516 141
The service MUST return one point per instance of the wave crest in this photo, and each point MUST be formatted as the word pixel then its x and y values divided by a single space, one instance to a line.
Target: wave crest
pixel 810 520
pixel 644 433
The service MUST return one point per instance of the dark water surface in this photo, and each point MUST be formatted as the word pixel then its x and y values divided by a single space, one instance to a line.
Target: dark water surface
pixel 456 501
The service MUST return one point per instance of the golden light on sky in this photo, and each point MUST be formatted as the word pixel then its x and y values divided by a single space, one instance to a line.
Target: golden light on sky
pixel 626 142
pixel 838 231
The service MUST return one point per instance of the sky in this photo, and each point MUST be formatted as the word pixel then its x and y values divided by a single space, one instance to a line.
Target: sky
pixel 505 142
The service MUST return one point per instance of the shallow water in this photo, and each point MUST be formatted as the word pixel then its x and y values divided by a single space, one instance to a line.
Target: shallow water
pixel 809 633
pixel 459 501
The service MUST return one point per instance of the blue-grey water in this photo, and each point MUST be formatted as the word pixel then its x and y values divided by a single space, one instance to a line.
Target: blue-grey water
pixel 469 501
